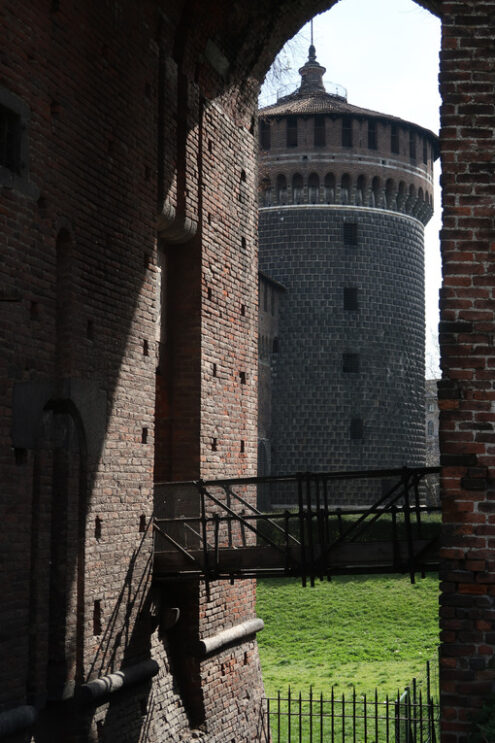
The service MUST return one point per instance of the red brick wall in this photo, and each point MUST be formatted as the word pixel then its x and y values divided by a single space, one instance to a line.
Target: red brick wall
pixel 85 112
pixel 466 392
pixel 117 127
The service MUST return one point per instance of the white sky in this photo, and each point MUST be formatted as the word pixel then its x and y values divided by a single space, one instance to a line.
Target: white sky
pixel 385 52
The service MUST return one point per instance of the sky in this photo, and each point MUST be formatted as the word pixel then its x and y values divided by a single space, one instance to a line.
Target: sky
pixel 386 53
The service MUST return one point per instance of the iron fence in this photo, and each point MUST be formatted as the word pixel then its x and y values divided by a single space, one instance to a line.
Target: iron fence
pixel 411 717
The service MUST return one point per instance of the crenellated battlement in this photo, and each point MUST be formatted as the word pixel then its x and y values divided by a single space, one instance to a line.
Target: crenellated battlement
pixel 338 188
pixel 316 148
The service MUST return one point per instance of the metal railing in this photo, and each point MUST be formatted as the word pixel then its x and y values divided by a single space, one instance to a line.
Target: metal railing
pixel 216 530
pixel 410 717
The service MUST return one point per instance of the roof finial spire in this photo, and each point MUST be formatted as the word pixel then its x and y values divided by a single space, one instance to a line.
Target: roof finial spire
pixel 312 50
pixel 312 72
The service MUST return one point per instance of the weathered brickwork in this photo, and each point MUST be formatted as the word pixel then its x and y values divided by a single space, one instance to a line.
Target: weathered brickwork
pixel 466 392
pixel 83 353
pixel 114 106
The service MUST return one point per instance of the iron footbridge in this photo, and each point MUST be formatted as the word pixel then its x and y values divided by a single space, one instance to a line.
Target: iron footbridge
pixel 219 529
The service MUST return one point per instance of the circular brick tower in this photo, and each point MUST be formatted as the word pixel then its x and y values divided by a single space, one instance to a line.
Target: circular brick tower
pixel 344 196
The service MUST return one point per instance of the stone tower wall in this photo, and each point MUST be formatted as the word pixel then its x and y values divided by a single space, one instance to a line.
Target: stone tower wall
pixel 314 398
pixel 343 200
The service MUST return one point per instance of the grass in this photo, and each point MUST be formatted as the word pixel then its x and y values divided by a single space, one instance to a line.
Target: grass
pixel 360 631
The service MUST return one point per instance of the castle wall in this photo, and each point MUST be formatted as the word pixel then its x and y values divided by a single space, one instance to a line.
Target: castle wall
pixel 271 296
pixel 85 81
pixel 119 139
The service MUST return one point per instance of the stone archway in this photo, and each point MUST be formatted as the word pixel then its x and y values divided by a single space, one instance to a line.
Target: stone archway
pixel 173 88
pixel 466 392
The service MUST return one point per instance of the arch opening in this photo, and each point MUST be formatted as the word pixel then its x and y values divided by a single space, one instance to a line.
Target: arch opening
pixel 390 186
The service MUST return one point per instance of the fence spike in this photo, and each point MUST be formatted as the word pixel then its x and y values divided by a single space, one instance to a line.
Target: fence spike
pixel 321 717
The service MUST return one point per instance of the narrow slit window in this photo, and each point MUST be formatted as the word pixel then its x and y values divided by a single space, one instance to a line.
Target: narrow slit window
pixel 350 363
pixel 357 429
pixel 372 145
pixel 394 139
pixel 10 140
pixel 347 133
pixel 412 145
pixel 292 131
pixel 351 298
pixel 319 131
pixel 97 618
pixel 350 233
pixel 14 150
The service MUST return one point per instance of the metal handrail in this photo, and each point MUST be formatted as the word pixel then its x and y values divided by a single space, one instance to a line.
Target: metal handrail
pixel 313 516
pixel 327 475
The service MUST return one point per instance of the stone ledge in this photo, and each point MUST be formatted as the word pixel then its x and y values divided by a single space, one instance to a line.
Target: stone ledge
pixel 97 690
pixel 14 720
pixel 216 642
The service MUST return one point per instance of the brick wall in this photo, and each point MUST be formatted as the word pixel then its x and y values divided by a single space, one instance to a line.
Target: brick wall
pixel 466 391
pixel 74 248
pixel 108 141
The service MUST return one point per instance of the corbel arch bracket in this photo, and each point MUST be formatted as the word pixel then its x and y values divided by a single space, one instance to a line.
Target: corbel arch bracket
pixel 175 227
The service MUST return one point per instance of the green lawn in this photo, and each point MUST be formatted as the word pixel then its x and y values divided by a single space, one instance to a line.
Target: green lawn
pixel 363 631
